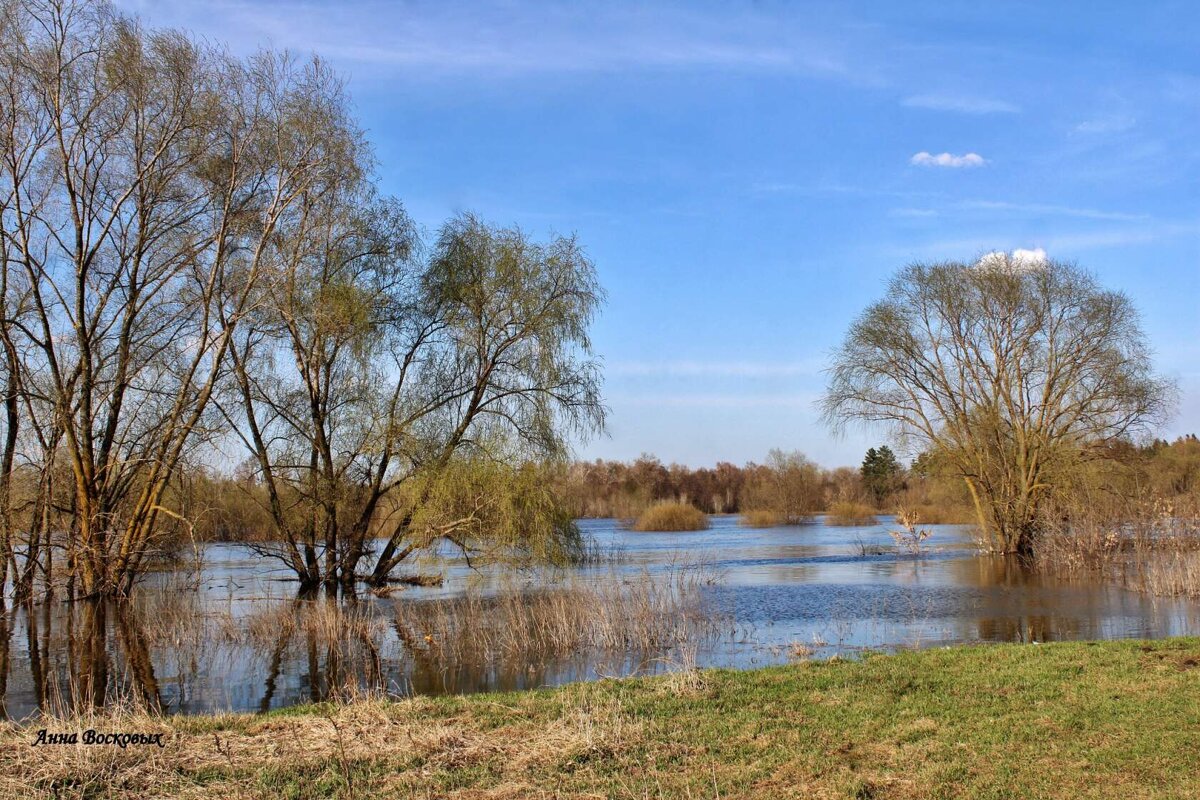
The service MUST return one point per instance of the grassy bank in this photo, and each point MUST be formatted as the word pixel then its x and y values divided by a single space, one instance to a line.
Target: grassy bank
pixel 1074 720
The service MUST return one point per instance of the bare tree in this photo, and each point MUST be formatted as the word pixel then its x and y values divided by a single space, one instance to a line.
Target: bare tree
pixel 373 377
pixel 1010 370
pixel 789 484
pixel 144 176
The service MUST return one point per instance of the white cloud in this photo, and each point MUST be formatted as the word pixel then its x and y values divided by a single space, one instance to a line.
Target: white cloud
pixel 924 159
pixel 961 103
pixel 1031 257
pixel 1020 260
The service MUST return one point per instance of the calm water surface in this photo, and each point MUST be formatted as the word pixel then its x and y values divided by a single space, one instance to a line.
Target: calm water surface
pixel 775 589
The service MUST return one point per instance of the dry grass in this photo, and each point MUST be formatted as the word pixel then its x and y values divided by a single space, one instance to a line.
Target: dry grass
pixel 670 516
pixel 323 621
pixel 848 513
pixel 1171 574
pixel 1152 548
pixel 362 749
pixel 911 539
pixel 936 514
pixel 648 615
pixel 761 519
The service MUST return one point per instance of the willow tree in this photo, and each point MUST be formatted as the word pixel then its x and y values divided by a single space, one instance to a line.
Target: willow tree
pixel 1011 370
pixel 388 397
pixel 142 176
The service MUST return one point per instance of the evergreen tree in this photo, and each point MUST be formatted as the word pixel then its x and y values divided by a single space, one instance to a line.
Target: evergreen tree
pixel 881 472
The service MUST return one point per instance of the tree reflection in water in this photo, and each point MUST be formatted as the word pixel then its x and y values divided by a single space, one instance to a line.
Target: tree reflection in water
pixel 70 657
pixel 224 641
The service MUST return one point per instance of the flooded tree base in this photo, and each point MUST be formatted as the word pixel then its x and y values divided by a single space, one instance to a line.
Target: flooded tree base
pixel 225 637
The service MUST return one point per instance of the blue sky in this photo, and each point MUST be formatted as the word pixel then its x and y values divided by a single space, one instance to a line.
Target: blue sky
pixel 746 176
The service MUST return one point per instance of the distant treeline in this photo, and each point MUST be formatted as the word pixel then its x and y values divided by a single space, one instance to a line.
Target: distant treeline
pixel 788 485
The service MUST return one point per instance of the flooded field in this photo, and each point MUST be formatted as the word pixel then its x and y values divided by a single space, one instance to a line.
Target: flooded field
pixel 231 635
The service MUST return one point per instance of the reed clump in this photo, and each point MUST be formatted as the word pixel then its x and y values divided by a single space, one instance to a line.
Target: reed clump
pixel 847 513
pixel 323 621
pixel 1174 574
pixel 648 615
pixel 761 518
pixel 671 516
pixel 1152 547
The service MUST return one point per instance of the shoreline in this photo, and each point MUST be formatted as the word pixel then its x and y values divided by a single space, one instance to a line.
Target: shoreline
pixel 1072 719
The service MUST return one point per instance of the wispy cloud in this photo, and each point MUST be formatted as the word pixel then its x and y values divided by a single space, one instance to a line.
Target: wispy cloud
pixel 964 104
pixel 1062 244
pixel 716 400
pixel 713 369
pixel 924 159
pixel 1122 237
pixel 502 39
pixel 1115 123
pixel 1046 209
pixel 912 213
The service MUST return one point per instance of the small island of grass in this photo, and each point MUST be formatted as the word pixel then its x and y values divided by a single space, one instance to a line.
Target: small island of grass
pixel 670 516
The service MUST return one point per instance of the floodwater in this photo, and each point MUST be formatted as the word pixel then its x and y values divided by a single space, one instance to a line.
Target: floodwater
pixel 766 596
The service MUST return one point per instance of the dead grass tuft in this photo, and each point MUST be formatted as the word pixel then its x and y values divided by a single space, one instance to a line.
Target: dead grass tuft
pixel 671 516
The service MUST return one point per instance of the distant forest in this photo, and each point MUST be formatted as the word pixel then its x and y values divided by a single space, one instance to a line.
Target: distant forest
pixel 232 508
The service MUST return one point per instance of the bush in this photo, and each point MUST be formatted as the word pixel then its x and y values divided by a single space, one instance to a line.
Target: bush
pixel 669 516
pixel 847 513
pixel 761 519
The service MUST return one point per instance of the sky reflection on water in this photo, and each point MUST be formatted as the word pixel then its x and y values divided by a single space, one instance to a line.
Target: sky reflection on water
pixel 776 587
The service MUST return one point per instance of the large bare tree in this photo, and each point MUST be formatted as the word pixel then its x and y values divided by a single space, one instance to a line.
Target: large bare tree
pixel 1010 369
pixel 144 179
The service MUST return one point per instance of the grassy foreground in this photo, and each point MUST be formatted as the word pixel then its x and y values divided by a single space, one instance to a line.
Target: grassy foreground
pixel 1076 720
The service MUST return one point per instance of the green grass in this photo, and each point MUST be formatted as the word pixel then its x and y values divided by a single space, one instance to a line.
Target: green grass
pixel 1073 720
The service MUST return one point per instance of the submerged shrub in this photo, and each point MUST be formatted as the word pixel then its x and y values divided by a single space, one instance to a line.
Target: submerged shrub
pixel 761 519
pixel 911 538
pixel 670 516
pixel 847 513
